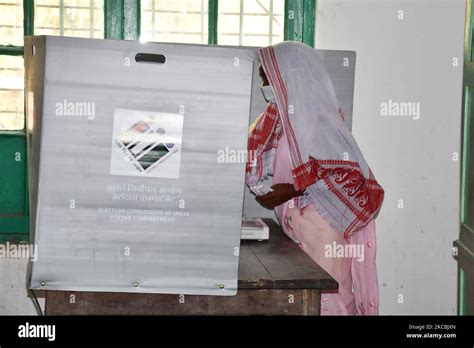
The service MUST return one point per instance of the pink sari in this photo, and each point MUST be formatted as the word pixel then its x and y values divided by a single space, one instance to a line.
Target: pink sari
pixel 313 234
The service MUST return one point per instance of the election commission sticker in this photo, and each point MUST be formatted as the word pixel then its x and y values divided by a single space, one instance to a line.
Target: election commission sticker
pixel 146 144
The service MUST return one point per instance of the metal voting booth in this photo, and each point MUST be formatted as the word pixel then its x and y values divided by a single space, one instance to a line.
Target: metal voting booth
pixel 126 191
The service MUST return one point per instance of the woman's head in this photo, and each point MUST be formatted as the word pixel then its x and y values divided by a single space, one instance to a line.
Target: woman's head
pixel 293 67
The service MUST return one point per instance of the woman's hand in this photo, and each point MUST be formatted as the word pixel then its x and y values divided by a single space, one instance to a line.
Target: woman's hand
pixel 281 193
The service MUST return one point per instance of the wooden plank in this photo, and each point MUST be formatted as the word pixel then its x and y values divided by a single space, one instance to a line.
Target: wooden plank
pixel 252 274
pixel 279 264
pixel 246 302
pixel 287 264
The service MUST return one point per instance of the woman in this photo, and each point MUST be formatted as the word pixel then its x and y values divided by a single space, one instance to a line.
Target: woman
pixel 324 194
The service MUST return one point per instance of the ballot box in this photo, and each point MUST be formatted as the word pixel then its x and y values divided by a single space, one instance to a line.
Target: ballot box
pixel 127 192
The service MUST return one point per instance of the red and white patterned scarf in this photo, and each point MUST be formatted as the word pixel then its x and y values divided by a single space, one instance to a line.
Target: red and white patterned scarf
pixel 325 158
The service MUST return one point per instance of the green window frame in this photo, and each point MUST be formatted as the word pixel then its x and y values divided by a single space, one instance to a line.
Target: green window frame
pixel 465 243
pixel 121 22
pixel 14 225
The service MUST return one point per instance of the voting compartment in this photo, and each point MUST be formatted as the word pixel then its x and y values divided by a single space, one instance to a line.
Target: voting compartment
pixel 127 190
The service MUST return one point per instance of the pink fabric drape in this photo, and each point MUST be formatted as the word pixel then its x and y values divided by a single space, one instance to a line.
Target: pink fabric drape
pixel 314 234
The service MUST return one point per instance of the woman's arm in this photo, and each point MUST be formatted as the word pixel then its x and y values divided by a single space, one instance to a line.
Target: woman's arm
pixel 281 193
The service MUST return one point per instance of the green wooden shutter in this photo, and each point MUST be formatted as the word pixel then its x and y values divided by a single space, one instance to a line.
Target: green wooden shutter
pixel 464 246
pixel 300 20
pixel 14 210
pixel 122 19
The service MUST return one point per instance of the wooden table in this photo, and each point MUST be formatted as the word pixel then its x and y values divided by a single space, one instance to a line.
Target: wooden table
pixel 275 278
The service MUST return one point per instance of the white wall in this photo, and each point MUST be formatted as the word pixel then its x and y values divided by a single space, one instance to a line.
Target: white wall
pixel 408 60
pixel 14 298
